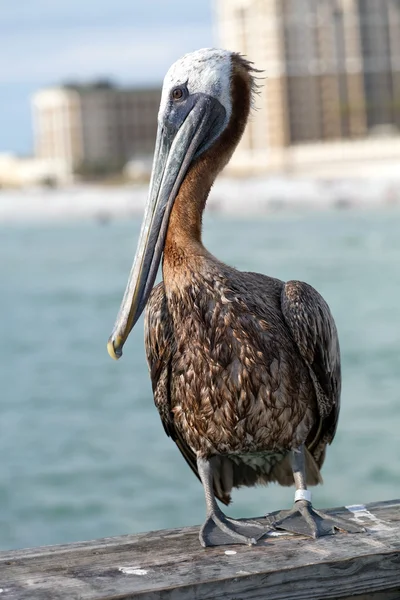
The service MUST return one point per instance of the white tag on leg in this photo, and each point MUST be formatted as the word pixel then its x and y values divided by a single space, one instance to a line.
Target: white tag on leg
pixel 302 495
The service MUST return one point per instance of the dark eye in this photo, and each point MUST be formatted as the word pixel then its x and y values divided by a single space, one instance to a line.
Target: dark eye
pixel 178 93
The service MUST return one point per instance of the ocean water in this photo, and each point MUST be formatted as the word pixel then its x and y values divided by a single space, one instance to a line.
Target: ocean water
pixel 82 451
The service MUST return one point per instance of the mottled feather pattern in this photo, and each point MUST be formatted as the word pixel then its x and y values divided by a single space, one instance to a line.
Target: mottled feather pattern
pixel 314 330
pixel 159 344
pixel 241 401
pixel 236 377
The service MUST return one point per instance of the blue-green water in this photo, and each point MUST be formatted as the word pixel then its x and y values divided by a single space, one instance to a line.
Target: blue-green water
pixel 82 451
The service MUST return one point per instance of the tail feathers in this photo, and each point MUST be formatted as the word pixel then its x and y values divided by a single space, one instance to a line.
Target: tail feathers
pixel 229 474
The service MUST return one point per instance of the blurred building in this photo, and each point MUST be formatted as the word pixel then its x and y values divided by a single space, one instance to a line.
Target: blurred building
pixel 95 128
pixel 331 70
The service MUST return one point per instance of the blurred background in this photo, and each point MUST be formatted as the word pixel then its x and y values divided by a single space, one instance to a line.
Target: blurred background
pixel 312 193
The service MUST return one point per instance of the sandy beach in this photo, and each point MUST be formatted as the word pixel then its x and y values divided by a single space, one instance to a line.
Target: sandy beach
pixel 228 196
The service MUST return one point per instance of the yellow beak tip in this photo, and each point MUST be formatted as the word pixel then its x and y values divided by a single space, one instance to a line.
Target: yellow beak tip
pixel 111 349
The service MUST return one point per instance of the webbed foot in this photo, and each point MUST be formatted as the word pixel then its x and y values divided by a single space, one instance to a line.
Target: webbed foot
pixel 303 519
pixel 220 530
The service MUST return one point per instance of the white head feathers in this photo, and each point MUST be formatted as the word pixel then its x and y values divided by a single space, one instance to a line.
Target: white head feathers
pixel 207 70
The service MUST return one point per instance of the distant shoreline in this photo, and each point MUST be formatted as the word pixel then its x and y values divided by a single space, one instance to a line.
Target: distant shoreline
pixel 229 196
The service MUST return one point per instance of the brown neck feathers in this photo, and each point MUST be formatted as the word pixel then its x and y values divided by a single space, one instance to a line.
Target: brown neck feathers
pixel 184 230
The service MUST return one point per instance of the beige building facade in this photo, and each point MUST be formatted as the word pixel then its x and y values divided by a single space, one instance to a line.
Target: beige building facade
pixel 96 126
pixel 331 69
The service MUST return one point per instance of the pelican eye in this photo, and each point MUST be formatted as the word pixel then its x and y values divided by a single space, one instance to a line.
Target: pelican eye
pixel 179 93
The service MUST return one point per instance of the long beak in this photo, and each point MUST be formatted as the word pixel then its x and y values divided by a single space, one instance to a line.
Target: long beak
pixel 174 152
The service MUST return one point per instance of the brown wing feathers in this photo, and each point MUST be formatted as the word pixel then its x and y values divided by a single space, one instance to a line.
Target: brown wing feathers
pixel 312 326
pixel 159 349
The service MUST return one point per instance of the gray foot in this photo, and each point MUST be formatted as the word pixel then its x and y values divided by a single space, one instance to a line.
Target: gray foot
pixel 219 530
pixel 303 519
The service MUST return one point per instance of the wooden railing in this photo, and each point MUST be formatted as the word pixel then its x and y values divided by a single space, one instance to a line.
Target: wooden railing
pixel 172 565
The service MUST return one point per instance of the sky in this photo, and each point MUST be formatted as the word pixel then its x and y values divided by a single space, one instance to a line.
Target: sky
pixel 45 42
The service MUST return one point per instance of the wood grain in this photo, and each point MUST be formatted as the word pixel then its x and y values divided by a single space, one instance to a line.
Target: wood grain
pixel 172 565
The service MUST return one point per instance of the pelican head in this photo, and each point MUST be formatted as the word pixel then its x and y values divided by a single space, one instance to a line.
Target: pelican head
pixel 196 108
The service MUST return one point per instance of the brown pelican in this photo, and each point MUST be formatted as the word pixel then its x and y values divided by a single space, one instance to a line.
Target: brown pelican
pixel 245 368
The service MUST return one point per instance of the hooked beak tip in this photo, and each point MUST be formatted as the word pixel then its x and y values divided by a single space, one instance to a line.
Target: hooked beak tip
pixel 114 347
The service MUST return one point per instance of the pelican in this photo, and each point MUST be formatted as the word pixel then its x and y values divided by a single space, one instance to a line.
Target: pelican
pixel 245 368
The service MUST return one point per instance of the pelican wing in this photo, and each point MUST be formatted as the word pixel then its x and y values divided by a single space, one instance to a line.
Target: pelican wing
pixel 159 343
pixel 312 326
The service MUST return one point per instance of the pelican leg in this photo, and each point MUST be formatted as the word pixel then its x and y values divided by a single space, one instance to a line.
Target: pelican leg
pixel 218 529
pixel 303 519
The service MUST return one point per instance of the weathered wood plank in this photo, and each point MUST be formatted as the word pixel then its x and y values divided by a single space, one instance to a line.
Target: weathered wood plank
pixel 171 565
